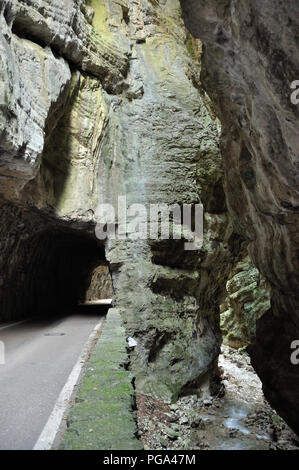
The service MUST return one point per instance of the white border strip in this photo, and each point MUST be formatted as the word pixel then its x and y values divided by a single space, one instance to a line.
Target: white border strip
pixel 10 325
pixel 96 302
pixel 48 434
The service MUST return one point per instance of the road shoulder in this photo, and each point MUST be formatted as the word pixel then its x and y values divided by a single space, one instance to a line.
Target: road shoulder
pixel 103 415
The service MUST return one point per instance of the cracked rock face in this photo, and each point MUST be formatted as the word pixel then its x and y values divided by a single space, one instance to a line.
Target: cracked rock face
pixel 250 60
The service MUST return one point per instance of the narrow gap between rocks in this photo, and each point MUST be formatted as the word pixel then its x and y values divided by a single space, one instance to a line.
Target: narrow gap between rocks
pixel 241 419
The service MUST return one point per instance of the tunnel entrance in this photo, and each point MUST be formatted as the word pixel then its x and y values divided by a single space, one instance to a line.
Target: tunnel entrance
pixel 53 272
pixel 69 269
pixel 47 268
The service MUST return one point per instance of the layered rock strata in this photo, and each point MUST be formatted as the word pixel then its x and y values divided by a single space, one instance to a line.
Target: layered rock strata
pixel 250 65
pixel 248 298
pixel 100 100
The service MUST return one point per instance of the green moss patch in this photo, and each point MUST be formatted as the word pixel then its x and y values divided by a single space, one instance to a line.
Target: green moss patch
pixel 103 416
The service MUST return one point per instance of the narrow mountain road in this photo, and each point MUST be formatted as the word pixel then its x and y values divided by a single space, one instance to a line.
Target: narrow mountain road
pixel 39 357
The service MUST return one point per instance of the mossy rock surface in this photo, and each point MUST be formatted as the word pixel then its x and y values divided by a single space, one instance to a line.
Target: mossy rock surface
pixel 103 416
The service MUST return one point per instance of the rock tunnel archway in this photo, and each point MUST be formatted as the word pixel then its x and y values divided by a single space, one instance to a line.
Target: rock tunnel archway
pixel 50 270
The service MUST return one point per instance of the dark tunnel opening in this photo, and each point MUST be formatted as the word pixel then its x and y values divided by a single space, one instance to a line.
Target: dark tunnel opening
pixel 53 273
pixel 62 269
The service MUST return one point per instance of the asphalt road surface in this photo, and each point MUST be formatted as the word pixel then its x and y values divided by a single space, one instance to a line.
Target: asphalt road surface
pixel 39 357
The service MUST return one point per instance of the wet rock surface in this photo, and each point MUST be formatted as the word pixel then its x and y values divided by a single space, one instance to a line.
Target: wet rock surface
pixel 240 420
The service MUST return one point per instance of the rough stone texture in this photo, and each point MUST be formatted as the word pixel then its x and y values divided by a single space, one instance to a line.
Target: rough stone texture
pixel 100 286
pixel 75 30
pixel 162 146
pixel 67 180
pixel 39 43
pixel 102 417
pixel 250 60
pixel 32 85
pixel 248 298
pixel 101 99
pixel 134 122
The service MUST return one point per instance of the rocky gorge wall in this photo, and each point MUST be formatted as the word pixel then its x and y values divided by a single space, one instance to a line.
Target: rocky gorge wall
pixel 250 61
pixel 100 100
pixel 162 146
pixel 248 298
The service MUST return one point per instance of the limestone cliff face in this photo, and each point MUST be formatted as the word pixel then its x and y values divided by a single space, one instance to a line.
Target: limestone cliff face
pixel 250 61
pixel 100 100
pixel 159 139
pixel 247 300
pixel 39 45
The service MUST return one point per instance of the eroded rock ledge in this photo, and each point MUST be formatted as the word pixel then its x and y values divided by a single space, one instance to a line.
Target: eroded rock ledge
pixel 41 45
pixel 250 60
